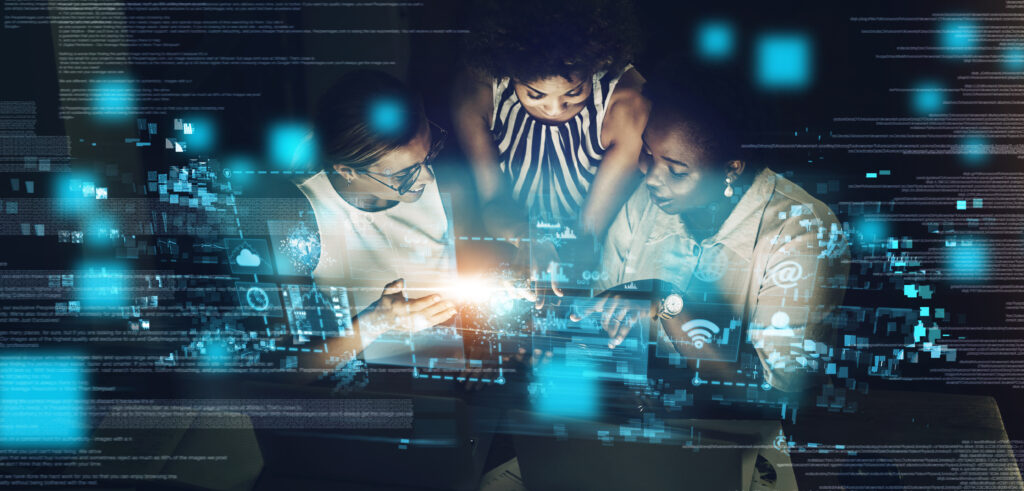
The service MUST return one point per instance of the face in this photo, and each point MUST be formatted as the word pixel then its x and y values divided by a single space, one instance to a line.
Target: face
pixel 676 172
pixel 392 168
pixel 553 99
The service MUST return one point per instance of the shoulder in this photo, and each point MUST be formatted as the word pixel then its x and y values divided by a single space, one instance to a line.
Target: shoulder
pixel 796 201
pixel 627 103
pixel 805 224
pixel 473 90
pixel 626 115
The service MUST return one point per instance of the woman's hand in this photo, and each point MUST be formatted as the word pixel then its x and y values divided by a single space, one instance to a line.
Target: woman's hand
pixel 393 311
pixel 618 316
pixel 527 265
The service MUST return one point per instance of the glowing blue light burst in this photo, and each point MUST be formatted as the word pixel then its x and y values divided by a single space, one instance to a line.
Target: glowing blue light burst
pixel 102 286
pixel 239 169
pixel 1014 59
pixel 75 193
pixel 716 40
pixel 200 133
pixel 100 227
pixel 42 401
pixel 114 98
pixel 291 146
pixel 387 116
pixel 872 230
pixel 783 61
pixel 958 35
pixel 214 353
pixel 975 149
pixel 968 260
pixel 927 97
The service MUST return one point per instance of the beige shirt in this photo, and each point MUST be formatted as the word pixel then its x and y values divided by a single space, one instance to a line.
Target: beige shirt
pixel 774 269
pixel 363 251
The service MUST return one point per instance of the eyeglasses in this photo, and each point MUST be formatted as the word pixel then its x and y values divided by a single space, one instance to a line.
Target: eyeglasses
pixel 406 179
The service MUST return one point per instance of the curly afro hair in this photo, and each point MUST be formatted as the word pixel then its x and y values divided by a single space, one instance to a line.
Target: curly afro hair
pixel 536 39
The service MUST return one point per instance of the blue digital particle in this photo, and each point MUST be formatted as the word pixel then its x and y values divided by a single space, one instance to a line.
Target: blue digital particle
pixel 102 286
pixel 960 35
pixel 969 260
pixel 974 149
pixel 387 116
pixel 564 390
pixel 291 146
pixel 42 402
pixel 114 98
pixel 1014 59
pixel 716 40
pixel 200 133
pixel 927 97
pixel 783 61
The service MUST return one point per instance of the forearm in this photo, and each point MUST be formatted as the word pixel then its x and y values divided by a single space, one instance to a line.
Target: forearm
pixel 608 193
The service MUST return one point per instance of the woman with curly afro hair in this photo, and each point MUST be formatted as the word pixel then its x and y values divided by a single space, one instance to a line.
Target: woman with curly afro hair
pixel 550 112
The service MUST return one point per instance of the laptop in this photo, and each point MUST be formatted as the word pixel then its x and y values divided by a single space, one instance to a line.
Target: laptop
pixel 694 454
pixel 445 448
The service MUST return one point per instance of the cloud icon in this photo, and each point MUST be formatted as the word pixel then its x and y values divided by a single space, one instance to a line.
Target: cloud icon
pixel 247 258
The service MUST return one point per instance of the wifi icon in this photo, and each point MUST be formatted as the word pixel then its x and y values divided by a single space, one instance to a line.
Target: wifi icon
pixel 700 331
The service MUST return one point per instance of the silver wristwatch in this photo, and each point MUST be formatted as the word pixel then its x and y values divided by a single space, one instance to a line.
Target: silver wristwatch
pixel 670 306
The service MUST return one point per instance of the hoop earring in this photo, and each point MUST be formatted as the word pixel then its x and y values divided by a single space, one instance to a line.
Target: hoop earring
pixel 728 187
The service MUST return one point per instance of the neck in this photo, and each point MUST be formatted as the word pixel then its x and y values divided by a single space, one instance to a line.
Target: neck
pixel 705 221
pixel 360 200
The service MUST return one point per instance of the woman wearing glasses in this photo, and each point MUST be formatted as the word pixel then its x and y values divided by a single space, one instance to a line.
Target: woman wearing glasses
pixel 377 207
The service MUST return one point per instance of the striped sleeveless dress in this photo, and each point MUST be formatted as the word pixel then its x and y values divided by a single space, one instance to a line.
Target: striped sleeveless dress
pixel 550 166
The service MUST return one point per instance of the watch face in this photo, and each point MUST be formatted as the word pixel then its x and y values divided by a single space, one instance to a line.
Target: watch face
pixel 673 304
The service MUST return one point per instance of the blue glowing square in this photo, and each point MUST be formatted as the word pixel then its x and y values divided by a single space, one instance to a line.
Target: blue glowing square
pixel 41 401
pixel 783 61
pixel 112 99
pixel 387 116
pixel 200 133
pixel 968 261
pixel 103 286
pixel 565 390
pixel 715 40
pixel 291 146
